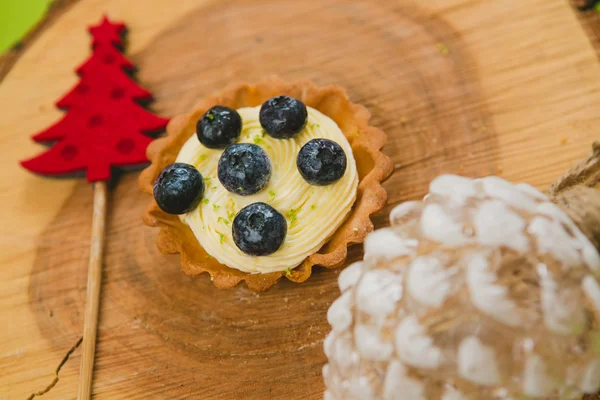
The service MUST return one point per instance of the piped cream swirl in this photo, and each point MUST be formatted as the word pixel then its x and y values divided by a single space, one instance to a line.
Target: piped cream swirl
pixel 313 213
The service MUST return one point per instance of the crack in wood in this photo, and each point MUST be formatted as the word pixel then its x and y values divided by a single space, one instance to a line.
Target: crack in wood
pixel 56 378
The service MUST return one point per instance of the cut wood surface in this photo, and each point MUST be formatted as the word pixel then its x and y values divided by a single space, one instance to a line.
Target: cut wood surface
pixel 461 86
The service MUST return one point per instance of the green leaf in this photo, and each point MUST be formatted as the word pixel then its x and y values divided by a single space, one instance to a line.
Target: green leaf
pixel 17 18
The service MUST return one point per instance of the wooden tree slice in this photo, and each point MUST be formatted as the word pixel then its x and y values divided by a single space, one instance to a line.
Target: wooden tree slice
pixel 236 344
pixel 163 334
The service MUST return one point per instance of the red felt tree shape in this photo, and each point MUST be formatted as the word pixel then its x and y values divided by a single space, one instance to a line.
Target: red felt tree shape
pixel 104 125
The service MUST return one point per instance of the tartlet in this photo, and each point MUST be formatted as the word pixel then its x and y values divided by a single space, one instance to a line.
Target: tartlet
pixel 372 167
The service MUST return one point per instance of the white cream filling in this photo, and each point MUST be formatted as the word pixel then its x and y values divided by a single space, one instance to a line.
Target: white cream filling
pixel 313 213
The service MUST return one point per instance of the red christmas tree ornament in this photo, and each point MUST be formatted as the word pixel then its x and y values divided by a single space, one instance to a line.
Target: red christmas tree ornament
pixel 108 32
pixel 104 127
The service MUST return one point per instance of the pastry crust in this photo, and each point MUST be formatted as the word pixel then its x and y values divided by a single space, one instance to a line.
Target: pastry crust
pixel 353 119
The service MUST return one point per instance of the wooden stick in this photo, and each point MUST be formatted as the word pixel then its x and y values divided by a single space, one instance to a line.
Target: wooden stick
pixel 92 302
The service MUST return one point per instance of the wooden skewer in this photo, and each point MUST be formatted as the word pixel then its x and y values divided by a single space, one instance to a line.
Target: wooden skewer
pixel 92 302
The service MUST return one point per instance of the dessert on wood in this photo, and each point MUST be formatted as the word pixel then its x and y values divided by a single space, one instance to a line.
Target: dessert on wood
pixel 264 181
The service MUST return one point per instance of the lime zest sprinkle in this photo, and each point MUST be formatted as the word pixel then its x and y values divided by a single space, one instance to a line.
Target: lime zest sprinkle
pixel 231 216
pixel 205 200
pixel 272 194
pixel 313 207
pixel 315 125
pixel 357 133
pixel 288 272
pixel 201 157
pixel 210 116
pixel 214 188
pixel 230 207
pixel 221 237
pixel 216 207
pixel 258 140
pixel 292 216
pixel 223 220
pixel 442 48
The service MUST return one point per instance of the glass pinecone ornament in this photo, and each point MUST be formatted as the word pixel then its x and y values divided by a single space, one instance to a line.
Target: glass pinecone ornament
pixel 483 290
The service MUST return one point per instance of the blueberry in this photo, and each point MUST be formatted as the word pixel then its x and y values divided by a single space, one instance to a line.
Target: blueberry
pixel 179 188
pixel 219 127
pixel 283 117
pixel 259 229
pixel 321 162
pixel 244 169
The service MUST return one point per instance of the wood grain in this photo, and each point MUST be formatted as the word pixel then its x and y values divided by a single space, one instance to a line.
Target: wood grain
pixel 460 86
